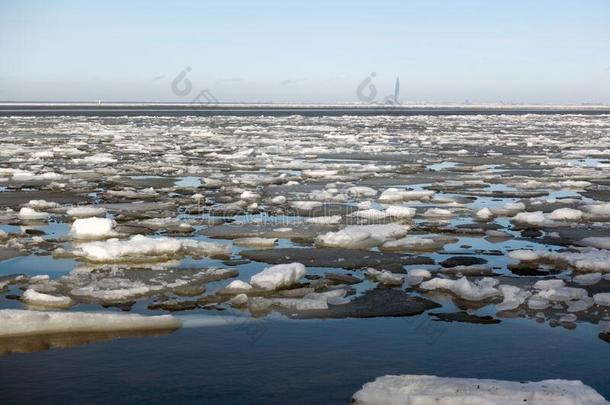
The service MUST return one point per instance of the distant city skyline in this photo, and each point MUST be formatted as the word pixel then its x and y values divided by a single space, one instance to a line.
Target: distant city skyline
pixel 543 52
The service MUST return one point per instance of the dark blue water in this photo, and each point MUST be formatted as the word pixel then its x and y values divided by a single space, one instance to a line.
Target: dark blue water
pixel 299 362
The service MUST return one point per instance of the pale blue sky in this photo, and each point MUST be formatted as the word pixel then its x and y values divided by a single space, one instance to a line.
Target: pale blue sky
pixel 527 51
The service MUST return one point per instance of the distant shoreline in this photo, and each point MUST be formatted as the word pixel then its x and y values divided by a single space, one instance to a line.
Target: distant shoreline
pixel 184 109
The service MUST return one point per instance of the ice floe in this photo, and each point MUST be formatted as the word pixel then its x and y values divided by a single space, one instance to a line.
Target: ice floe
pixel 278 276
pixel 93 228
pixel 141 248
pixel 23 323
pixel 478 290
pixel 427 389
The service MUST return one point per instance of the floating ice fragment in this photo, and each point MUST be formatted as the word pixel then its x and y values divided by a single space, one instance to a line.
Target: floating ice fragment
pixel 425 389
pixel 523 255
pixel 513 297
pixel 588 279
pixel 329 220
pixel 256 242
pixel 477 291
pixel 22 323
pixel 41 300
pixel 93 228
pixel 437 212
pixel 531 218
pixel 240 300
pixel 87 211
pixel 42 204
pixel 600 242
pixel 280 199
pixel 238 285
pixel 602 299
pixel 141 248
pixel 395 195
pixel 278 276
pixel 484 214
pixel 565 214
pixel 27 213
pixel 548 284
pixel 398 211
pixel 580 305
pixel 568 318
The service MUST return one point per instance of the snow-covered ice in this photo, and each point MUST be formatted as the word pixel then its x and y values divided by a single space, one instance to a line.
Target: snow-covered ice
pixel 22 323
pixel 428 389
pixel 278 276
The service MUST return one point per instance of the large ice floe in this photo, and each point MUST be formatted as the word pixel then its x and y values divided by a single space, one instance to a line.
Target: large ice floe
pixel 430 390
pixel 23 323
pixel 141 248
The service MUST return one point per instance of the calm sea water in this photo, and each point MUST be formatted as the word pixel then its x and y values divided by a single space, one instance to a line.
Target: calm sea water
pixel 299 362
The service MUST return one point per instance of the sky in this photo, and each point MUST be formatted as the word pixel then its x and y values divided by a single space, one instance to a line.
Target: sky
pixel 480 51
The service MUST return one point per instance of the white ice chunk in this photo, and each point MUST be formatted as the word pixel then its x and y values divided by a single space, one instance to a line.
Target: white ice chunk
pixel 513 297
pixel 537 302
pixel 425 389
pixel 594 211
pixel 238 285
pixel 349 239
pixel 327 220
pixel 280 199
pixel 93 228
pixel 411 243
pixel 256 241
pixel 416 276
pixel 484 214
pixel 602 299
pixel 249 196
pixel 361 191
pixel 86 211
pixel 22 323
pixel 306 205
pixel 27 213
pixel 370 214
pixel 394 195
pixel 398 211
pixel 600 242
pixel 562 294
pixel 42 204
pixel 531 218
pixel 37 299
pixel 39 279
pixel 437 212
pixel 240 300
pixel 565 214
pixel 477 291
pixel 588 279
pixel 141 248
pixel 523 255
pixel 548 284
pixel 278 276
pixel 580 305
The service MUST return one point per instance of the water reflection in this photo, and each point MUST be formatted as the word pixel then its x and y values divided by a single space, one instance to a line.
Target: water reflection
pixel 31 344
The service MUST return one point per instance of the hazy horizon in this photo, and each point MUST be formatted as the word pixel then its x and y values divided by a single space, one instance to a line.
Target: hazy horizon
pixel 547 52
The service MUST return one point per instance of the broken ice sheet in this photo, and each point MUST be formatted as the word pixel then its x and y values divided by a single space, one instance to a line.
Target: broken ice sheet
pixel 532 182
pixel 119 284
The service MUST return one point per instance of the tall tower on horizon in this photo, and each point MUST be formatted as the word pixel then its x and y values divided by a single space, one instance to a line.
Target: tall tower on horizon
pixel 396 90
